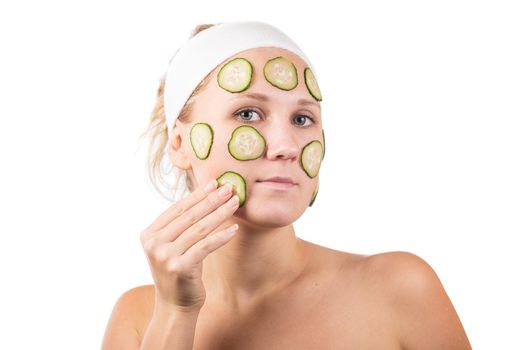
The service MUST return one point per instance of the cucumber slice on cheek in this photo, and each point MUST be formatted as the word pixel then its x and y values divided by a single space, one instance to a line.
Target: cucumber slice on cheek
pixel 314 195
pixel 246 143
pixel 324 144
pixel 201 138
pixel 311 157
pixel 238 184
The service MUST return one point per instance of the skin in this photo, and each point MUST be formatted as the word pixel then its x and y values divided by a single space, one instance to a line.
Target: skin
pixel 267 288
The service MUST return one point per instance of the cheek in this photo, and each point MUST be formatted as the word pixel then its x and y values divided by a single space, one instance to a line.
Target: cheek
pixel 218 159
pixel 219 155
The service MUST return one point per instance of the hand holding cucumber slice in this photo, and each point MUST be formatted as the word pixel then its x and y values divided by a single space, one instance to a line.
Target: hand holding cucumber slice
pixel 238 184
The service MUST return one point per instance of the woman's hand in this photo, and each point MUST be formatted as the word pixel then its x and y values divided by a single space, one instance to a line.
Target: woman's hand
pixel 177 242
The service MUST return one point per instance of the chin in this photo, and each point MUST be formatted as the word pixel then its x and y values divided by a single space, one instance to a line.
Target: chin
pixel 271 213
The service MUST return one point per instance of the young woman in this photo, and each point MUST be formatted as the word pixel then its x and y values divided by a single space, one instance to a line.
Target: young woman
pixel 229 271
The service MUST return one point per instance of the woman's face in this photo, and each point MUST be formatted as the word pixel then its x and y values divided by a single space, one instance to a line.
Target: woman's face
pixel 286 126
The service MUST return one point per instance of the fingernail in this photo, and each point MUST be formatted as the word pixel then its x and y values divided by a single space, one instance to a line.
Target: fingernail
pixel 233 201
pixel 232 228
pixel 210 186
pixel 224 190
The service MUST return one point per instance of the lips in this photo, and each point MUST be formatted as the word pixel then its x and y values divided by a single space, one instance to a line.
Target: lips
pixel 279 179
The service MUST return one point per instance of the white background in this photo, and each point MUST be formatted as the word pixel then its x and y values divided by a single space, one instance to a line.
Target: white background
pixel 423 112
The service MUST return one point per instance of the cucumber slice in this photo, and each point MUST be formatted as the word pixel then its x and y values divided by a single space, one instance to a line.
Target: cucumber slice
pixel 324 144
pixel 311 157
pixel 311 84
pixel 314 195
pixel 201 139
pixel 238 184
pixel 246 143
pixel 235 75
pixel 281 73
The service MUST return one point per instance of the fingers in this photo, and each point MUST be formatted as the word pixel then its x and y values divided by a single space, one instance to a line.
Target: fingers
pixel 197 216
pixel 204 247
pixel 202 229
pixel 179 207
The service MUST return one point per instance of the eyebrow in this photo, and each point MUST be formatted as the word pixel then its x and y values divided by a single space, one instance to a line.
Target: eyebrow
pixel 265 98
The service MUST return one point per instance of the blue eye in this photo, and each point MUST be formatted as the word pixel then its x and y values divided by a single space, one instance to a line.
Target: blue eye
pixel 302 116
pixel 244 115
pixel 245 112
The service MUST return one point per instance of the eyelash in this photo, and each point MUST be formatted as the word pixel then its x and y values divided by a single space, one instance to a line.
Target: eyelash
pixel 237 115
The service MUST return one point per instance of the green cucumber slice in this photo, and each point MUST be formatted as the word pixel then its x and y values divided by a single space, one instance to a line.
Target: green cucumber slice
pixel 246 143
pixel 235 75
pixel 281 73
pixel 238 184
pixel 324 144
pixel 311 84
pixel 311 156
pixel 201 139
pixel 314 195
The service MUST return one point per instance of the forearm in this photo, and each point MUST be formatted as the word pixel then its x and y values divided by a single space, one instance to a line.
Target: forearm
pixel 170 330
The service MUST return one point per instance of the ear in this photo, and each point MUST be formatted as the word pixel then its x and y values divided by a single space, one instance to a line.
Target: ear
pixel 176 151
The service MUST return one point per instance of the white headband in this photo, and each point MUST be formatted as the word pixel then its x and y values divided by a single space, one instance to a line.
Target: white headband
pixel 207 49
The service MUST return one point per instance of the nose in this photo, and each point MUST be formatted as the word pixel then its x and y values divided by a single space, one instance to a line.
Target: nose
pixel 281 139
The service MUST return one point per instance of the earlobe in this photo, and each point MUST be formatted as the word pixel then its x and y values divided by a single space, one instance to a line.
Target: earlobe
pixel 176 151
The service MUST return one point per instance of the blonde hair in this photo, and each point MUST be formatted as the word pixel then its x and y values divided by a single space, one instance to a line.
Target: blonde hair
pixel 164 175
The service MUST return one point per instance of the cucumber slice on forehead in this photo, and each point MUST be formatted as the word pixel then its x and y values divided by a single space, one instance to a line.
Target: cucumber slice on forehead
pixel 235 75
pixel 281 73
pixel 311 84
pixel 201 139
pixel 314 195
pixel 237 182
pixel 246 143
pixel 311 157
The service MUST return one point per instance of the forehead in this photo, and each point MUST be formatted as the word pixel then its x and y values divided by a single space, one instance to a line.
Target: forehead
pixel 258 57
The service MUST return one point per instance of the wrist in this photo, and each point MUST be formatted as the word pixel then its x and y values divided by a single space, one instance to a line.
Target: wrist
pixel 170 310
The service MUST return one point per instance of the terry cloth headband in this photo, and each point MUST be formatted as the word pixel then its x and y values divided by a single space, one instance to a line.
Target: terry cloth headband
pixel 202 53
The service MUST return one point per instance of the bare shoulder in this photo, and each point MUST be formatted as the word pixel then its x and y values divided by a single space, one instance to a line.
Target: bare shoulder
pixel 421 309
pixel 141 301
pixel 129 312
pixel 398 270
pixel 404 277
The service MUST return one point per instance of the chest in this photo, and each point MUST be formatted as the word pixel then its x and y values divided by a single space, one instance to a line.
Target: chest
pixel 318 319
